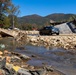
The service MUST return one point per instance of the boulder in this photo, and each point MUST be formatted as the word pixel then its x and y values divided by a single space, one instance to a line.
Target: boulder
pixel 1 53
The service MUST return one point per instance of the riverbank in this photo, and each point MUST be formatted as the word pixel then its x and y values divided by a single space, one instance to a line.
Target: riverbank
pixel 47 41
pixel 15 63
pixel 66 41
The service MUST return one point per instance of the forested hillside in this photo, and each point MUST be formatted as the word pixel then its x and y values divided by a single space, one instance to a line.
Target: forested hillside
pixel 61 17
pixel 36 20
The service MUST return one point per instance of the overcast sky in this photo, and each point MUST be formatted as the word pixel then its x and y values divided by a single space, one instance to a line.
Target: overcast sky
pixel 45 7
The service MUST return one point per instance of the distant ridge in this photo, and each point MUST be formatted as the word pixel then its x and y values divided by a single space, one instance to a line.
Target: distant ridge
pixel 59 16
pixel 33 19
pixel 39 20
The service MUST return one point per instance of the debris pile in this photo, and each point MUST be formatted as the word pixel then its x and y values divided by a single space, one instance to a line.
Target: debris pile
pixel 12 63
pixel 67 42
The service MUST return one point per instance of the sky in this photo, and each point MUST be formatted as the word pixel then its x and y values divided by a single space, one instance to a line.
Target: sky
pixel 45 7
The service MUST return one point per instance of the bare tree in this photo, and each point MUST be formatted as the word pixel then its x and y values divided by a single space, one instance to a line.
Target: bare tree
pixel 14 11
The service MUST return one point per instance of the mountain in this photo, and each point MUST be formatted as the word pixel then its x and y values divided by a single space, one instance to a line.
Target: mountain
pixel 33 19
pixel 39 20
pixel 60 16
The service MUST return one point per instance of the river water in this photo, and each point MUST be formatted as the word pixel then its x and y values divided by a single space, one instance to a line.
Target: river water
pixel 59 58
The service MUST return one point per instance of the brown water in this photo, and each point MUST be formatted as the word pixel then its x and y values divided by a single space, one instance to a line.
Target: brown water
pixel 62 60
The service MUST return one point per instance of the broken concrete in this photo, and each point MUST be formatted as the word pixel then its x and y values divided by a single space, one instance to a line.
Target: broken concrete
pixel 64 28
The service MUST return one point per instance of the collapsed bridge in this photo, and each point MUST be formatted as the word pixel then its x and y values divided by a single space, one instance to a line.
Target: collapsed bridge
pixel 17 34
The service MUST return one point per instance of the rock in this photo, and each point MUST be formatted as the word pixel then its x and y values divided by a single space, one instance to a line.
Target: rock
pixel 49 68
pixel 15 59
pixel 11 69
pixel 2 72
pixel 31 67
pixel 55 41
pixel 23 72
pixel 33 40
pixel 22 56
pixel 8 59
pixel 2 46
pixel 38 72
pixel 2 63
pixel 1 53
pixel 33 56
pixel 24 66
pixel 6 52
pixel 9 66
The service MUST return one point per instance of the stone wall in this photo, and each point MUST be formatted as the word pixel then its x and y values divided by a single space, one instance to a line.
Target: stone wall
pixel 64 41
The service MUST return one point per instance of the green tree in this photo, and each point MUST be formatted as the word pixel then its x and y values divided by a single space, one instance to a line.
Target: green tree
pixel 4 7
pixel 6 22
pixel 26 26
pixel 7 8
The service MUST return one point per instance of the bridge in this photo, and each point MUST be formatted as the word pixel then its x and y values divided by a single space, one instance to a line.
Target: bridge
pixel 17 34
pixel 66 28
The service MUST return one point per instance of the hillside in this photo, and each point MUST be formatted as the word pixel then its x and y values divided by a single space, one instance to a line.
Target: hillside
pixel 39 20
pixel 60 16
pixel 33 19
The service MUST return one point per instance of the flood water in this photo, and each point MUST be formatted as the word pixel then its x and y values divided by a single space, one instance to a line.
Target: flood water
pixel 60 59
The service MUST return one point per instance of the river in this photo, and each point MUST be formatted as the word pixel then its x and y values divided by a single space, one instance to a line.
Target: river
pixel 61 59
